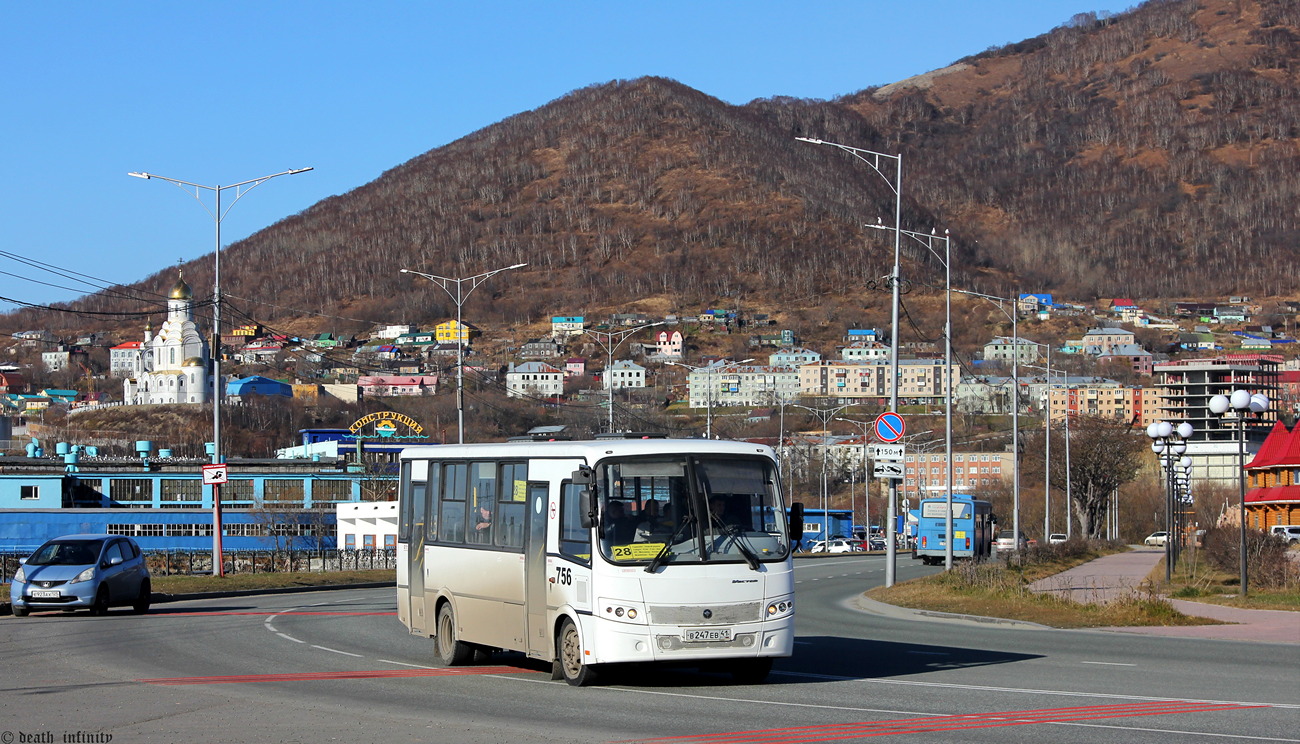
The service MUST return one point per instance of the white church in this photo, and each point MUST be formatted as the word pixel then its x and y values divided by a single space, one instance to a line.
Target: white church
pixel 175 360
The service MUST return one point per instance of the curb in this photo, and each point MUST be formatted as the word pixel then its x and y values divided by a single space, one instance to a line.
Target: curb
pixel 161 598
pixel 862 603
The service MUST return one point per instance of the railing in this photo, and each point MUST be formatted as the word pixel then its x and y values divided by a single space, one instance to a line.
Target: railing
pixel 193 562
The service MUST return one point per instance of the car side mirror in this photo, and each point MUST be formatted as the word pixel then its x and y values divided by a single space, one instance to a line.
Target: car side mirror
pixel 115 560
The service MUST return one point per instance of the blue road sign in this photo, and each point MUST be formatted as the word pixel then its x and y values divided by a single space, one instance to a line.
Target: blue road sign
pixel 889 427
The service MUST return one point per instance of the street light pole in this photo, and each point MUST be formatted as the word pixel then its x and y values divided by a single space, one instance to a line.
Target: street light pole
pixel 875 160
pixel 609 357
pixel 217 214
pixel 929 240
pixel 459 297
pixel 1169 442
pixel 1241 401
pixel 1015 402
pixel 825 415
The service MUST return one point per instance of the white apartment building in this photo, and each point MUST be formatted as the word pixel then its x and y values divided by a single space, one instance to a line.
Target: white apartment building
pixel 624 374
pixel 534 380
pixel 741 385
pixel 918 379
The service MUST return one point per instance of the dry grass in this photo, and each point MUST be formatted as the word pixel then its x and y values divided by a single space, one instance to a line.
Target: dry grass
pixel 1199 580
pixel 1001 589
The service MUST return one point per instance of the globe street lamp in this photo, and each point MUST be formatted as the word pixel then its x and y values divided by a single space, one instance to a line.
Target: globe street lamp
pixel 217 214
pixel 1241 402
pixel 1169 442
pixel 610 347
pixel 876 161
pixel 459 297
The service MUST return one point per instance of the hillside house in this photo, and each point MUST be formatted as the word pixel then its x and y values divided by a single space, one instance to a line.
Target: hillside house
pixel 534 380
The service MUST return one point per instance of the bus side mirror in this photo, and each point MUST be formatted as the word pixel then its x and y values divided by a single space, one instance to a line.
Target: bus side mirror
pixel 796 521
pixel 586 509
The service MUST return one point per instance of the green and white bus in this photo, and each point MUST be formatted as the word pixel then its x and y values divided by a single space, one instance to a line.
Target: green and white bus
pixel 598 552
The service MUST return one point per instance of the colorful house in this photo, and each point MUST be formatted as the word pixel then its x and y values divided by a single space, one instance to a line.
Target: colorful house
pixel 1273 480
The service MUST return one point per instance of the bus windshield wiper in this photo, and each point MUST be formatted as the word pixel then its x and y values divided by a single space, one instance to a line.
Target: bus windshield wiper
pixel 658 560
pixel 737 537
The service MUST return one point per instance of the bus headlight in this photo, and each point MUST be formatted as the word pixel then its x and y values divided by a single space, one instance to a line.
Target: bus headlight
pixel 620 611
pixel 780 608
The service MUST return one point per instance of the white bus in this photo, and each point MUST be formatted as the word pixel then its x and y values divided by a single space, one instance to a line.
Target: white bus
pixel 598 552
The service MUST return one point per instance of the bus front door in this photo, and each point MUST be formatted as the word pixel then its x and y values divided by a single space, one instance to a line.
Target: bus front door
pixel 539 640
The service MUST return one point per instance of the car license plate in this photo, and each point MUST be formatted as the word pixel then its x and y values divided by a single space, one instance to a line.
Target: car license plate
pixel 45 593
pixel 703 635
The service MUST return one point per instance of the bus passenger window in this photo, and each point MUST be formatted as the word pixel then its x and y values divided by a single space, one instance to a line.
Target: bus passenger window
pixel 452 520
pixel 575 540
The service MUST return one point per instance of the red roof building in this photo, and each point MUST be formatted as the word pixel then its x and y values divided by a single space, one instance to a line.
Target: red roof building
pixel 1273 480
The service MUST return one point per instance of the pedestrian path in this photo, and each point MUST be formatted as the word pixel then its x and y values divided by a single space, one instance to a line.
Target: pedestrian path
pixel 1113 577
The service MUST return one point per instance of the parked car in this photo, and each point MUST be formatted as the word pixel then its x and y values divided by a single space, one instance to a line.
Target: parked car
pixel 91 572
pixel 1157 539
pixel 1006 540
pixel 832 546
pixel 1288 532
pixel 876 543
pixel 1056 538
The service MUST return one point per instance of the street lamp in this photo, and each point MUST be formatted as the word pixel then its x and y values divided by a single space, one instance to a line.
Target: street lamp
pixel 1242 402
pixel 929 242
pixel 1014 316
pixel 609 357
pixel 825 415
pixel 459 297
pixel 864 427
pixel 711 370
pixel 195 190
pixel 1169 442
pixel 875 161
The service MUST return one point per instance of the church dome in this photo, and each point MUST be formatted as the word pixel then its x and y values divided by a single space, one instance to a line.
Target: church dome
pixel 193 362
pixel 181 291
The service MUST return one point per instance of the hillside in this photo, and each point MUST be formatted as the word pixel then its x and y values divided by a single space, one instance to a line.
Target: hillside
pixel 1150 154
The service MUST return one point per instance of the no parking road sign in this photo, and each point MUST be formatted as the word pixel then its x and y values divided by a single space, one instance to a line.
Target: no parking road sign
pixel 889 427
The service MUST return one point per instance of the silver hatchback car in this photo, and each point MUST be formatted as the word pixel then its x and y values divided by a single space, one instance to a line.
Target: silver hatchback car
pixel 90 572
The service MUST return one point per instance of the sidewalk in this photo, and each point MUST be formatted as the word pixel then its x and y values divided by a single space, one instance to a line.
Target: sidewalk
pixel 1120 575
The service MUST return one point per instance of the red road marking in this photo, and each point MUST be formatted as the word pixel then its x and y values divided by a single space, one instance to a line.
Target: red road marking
pixel 317 676
pixel 263 613
pixel 950 723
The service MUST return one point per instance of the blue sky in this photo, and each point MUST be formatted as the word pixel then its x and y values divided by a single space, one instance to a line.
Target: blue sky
pixel 217 93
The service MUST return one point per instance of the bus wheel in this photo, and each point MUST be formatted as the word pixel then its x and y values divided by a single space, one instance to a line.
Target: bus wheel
pixel 570 649
pixel 450 651
pixel 751 671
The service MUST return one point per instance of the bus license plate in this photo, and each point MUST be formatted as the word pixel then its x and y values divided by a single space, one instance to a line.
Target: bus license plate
pixel 45 593
pixel 703 635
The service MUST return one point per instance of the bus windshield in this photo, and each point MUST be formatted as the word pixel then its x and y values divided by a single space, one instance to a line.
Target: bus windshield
pixel 690 509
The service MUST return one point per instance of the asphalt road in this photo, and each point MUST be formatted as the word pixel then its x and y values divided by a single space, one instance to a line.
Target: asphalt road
pixel 337 666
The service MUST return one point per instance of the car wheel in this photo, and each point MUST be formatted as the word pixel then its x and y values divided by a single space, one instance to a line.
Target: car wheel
pixel 20 611
pixel 100 607
pixel 141 604
pixel 451 651
pixel 751 671
pixel 574 671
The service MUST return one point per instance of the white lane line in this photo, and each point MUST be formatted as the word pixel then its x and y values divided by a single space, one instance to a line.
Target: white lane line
pixel 1106 663
pixel 336 651
pixel 402 663
pixel 289 638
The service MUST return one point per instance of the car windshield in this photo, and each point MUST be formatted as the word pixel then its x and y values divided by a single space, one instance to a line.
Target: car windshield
pixel 690 509
pixel 66 553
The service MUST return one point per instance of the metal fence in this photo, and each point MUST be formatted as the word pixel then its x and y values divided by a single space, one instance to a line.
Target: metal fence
pixel 190 562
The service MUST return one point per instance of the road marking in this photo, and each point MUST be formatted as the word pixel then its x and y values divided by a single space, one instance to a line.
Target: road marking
pixel 941 723
pixel 320 676
pixel 402 663
pixel 289 638
pixel 336 651
pixel 1106 663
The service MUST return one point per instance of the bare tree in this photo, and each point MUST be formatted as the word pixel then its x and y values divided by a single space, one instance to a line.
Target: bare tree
pixel 1104 455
